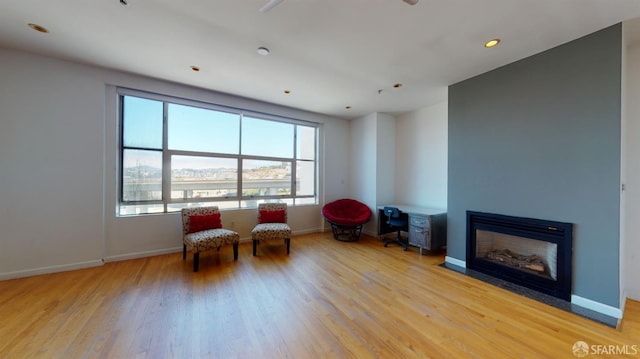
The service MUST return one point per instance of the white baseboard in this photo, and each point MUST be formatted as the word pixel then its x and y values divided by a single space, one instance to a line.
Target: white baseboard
pixel 596 306
pixel 136 255
pixel 632 294
pixel 367 232
pixel 157 252
pixel 455 262
pixel 307 231
pixel 51 269
pixel 295 233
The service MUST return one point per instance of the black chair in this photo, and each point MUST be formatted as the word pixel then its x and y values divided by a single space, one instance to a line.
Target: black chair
pixel 397 223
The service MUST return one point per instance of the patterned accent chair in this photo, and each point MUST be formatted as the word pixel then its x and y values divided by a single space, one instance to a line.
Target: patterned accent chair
pixel 272 224
pixel 202 230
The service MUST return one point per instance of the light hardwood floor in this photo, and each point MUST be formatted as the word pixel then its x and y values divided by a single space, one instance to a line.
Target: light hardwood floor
pixel 328 299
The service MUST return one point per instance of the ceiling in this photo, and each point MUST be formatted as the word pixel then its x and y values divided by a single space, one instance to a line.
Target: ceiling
pixel 330 54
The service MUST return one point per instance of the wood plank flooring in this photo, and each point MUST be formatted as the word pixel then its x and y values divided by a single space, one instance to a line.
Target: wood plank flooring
pixel 328 299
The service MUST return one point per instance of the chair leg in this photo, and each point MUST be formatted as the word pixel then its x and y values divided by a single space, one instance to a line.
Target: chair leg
pixel 404 245
pixel 255 246
pixel 184 251
pixel 235 251
pixel 288 241
pixel 398 240
pixel 196 261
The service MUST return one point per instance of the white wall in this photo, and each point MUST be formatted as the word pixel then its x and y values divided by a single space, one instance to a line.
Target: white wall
pixel 630 233
pixel 336 181
pixel 399 160
pixel 363 163
pixel 386 155
pixel 58 160
pixel 372 159
pixel 51 164
pixel 421 165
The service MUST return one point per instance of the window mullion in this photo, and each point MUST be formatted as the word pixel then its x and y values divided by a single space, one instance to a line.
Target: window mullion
pixel 295 161
pixel 239 184
pixel 240 160
pixel 166 158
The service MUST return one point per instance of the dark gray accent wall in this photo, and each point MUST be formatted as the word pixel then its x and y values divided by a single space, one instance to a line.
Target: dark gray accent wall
pixel 540 138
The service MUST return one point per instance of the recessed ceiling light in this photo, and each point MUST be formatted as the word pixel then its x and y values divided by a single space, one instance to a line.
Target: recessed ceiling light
pixel 263 51
pixel 38 28
pixel 491 43
pixel 287 91
pixel 195 68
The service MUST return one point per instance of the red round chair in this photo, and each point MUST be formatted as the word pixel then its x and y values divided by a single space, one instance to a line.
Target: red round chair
pixel 346 217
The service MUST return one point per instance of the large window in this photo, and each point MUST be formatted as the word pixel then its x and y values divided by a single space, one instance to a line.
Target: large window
pixel 177 153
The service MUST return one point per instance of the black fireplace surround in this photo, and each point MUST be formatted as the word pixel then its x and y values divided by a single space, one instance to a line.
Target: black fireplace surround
pixel 559 233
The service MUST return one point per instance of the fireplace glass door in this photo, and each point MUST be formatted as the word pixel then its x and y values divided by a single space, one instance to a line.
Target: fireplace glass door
pixel 526 254
pixel 530 252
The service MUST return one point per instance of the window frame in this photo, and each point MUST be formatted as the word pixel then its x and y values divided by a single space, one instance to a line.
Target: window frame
pixel 167 203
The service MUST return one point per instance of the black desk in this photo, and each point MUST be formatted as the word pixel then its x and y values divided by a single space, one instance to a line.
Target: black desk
pixel 426 227
pixel 384 228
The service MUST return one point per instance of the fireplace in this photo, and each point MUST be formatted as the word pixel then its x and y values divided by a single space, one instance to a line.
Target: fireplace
pixel 533 253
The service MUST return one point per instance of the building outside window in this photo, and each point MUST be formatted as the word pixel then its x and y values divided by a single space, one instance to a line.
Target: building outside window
pixel 176 153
